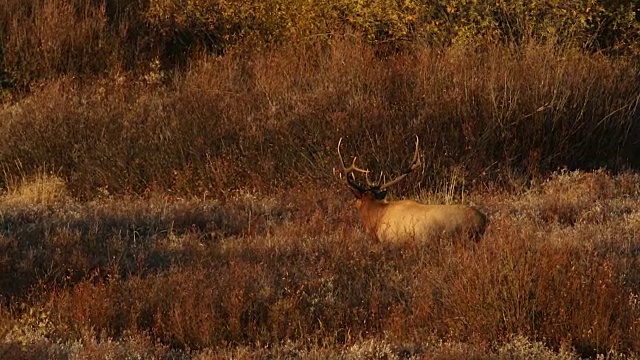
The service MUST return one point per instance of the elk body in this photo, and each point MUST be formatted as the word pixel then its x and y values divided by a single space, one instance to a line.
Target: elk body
pixel 402 220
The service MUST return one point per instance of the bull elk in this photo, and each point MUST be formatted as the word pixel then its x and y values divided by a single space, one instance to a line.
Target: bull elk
pixel 406 219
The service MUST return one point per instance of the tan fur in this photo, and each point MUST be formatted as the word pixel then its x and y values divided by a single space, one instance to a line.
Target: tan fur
pixel 404 220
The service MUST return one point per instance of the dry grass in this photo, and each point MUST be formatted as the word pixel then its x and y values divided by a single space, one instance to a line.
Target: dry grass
pixel 284 277
pixel 45 39
pixel 43 189
pixel 271 119
pixel 156 211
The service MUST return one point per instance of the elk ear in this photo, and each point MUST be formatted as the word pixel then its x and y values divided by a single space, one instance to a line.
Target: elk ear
pixel 356 193
pixel 380 195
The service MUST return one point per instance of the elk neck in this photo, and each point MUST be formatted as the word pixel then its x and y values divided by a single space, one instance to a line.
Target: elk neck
pixel 371 212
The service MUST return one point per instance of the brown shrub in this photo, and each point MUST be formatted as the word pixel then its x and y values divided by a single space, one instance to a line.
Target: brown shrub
pixel 271 119
pixel 561 286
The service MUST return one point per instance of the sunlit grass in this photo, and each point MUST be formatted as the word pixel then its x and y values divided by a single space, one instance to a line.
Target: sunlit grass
pixel 550 273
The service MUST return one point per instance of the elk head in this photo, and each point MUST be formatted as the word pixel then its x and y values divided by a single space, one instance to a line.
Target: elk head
pixel 375 190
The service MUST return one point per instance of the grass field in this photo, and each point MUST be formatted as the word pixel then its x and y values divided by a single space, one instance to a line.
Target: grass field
pixel 168 181
pixel 292 275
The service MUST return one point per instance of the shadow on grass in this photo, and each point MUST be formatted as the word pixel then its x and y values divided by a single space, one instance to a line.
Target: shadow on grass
pixel 64 243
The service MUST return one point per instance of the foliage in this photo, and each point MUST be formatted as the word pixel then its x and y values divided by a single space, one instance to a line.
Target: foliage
pixel 166 186
pixel 44 39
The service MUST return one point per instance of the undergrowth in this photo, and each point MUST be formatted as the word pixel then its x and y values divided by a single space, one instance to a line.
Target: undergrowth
pixel 283 275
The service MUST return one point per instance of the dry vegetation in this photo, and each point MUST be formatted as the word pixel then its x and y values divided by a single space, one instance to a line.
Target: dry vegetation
pixel 167 185
pixel 291 275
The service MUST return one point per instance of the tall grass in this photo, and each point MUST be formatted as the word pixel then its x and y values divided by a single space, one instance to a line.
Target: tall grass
pixel 263 119
pixel 43 39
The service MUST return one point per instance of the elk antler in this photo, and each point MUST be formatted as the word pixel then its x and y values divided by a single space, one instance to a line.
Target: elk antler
pixel 375 186
pixel 348 172
pixel 415 163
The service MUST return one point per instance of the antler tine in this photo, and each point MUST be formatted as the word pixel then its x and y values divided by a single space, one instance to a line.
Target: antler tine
pixel 415 163
pixel 376 183
pixel 348 172
pixel 416 156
